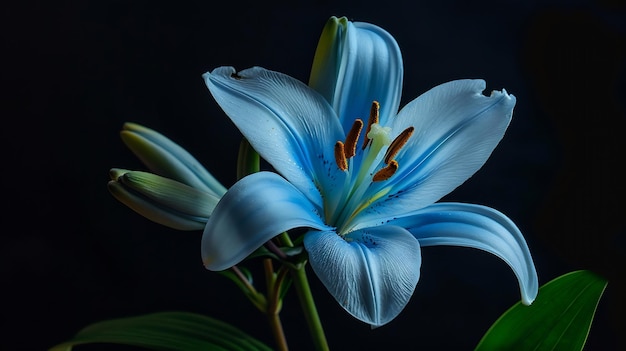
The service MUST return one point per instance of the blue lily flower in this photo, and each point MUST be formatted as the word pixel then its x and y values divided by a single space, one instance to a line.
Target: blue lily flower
pixel 362 177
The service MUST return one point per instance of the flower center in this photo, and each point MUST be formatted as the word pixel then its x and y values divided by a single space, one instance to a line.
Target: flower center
pixel 376 137
pixel 371 167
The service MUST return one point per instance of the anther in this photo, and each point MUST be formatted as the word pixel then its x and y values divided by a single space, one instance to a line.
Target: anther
pixel 397 144
pixel 372 119
pixel 340 156
pixel 386 172
pixel 352 138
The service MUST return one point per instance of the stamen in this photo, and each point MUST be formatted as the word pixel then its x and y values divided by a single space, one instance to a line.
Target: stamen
pixel 386 172
pixel 397 144
pixel 340 156
pixel 372 119
pixel 352 138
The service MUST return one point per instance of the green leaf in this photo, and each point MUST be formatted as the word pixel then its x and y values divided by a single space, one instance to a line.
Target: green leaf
pixel 559 319
pixel 166 331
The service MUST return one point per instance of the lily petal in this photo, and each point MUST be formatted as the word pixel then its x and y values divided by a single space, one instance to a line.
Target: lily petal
pixel 162 200
pixel 356 63
pixel 372 273
pixel 165 157
pixel 456 130
pixel 288 124
pixel 479 227
pixel 326 61
pixel 254 210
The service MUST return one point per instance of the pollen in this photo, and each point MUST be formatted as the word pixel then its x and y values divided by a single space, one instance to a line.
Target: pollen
pixel 352 138
pixel 340 156
pixel 386 172
pixel 397 144
pixel 374 116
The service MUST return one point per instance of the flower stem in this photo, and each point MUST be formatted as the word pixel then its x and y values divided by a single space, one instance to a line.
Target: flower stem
pixel 243 279
pixel 308 307
pixel 277 330
pixel 273 306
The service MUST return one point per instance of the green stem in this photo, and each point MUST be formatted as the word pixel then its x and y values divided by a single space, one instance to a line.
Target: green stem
pixel 248 160
pixel 273 306
pixel 284 239
pixel 308 307
pixel 244 281
pixel 258 300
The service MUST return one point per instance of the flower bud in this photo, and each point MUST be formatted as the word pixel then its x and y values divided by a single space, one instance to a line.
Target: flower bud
pixel 166 158
pixel 163 200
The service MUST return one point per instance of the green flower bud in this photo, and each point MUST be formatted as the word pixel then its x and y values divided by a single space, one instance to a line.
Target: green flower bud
pixel 163 200
pixel 166 158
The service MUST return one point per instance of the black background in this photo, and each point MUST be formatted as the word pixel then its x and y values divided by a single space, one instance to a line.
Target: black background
pixel 74 72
